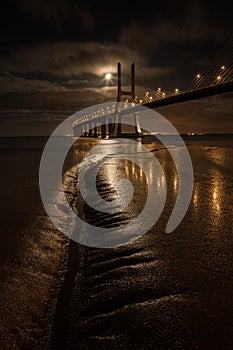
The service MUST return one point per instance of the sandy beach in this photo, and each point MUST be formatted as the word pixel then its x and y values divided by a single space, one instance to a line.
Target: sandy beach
pixel 33 252
pixel 162 291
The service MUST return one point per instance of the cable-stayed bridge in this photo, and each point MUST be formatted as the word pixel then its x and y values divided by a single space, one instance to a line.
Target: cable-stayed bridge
pixel 216 79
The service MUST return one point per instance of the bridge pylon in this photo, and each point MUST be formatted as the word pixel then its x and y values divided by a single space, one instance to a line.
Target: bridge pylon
pixel 117 130
pixel 121 92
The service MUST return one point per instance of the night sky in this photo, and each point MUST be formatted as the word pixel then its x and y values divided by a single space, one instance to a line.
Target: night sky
pixel 54 55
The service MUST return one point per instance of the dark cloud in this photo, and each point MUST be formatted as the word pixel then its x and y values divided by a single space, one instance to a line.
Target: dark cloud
pixel 36 21
pixel 73 65
pixel 64 47
pixel 162 34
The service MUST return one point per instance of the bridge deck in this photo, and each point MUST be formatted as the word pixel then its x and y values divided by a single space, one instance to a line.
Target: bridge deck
pixel 192 95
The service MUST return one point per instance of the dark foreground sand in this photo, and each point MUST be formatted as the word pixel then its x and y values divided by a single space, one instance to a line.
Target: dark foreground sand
pixel 32 252
pixel 163 291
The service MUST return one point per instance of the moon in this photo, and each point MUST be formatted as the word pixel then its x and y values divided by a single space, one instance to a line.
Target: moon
pixel 108 76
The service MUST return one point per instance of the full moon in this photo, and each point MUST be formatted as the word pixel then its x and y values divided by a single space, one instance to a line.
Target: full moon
pixel 108 76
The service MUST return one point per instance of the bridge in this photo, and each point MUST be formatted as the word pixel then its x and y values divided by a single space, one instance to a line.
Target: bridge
pixel 192 95
pixel 217 80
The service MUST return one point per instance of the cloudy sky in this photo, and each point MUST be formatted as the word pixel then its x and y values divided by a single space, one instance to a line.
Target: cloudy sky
pixel 54 56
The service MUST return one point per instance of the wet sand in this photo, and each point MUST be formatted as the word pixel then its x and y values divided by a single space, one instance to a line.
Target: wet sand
pixel 33 254
pixel 162 291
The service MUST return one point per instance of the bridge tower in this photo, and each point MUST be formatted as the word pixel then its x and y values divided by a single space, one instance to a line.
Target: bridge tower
pixel 117 132
pixel 122 92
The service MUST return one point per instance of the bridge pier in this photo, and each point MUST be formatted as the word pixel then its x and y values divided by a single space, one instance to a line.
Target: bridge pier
pixel 110 126
pixel 90 131
pixel 138 130
pixel 95 130
pixel 110 122
pixel 117 130
pixel 103 129
pixel 86 130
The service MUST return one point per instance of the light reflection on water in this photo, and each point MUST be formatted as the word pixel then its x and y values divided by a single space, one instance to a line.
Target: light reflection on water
pixel 212 194
pixel 216 196
pixel 211 206
pixel 175 183
pixel 196 195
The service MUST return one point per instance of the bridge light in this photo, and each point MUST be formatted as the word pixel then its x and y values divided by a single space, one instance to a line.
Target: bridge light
pixel 140 101
pixel 218 77
pixel 177 90
pixel 223 67
pixel 147 93
pixel 163 94
pixel 151 98
pixel 198 75
pixel 159 89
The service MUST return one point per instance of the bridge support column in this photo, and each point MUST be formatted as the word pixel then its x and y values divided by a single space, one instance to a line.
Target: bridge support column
pixel 90 131
pixel 78 130
pixel 110 126
pixel 95 131
pixel 117 126
pixel 103 128
pixel 86 130
pixel 138 130
pixel 83 130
